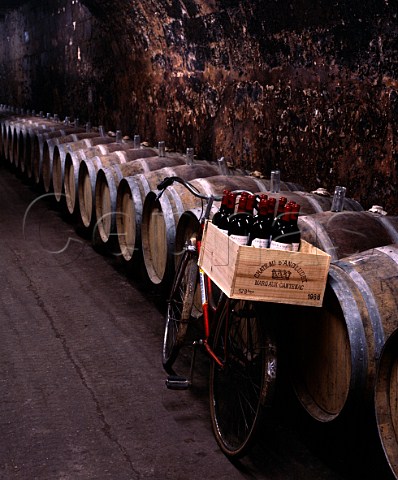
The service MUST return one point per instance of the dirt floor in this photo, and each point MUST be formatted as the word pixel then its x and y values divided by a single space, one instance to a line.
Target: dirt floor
pixel 82 386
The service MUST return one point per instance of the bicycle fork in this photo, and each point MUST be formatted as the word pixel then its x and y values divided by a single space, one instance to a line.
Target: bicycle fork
pixel 176 382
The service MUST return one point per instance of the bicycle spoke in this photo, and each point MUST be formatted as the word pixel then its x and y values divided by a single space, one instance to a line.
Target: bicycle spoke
pixel 179 309
pixel 239 388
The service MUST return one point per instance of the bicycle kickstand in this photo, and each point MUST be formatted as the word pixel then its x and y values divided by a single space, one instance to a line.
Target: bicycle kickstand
pixel 178 382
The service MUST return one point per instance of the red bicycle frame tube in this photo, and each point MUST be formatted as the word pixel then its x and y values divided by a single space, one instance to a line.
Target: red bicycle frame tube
pixel 203 278
pixel 205 290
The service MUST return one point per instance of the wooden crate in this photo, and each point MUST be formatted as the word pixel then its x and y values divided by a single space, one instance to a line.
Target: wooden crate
pixel 262 274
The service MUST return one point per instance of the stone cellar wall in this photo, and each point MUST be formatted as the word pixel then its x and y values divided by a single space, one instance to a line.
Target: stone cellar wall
pixel 311 90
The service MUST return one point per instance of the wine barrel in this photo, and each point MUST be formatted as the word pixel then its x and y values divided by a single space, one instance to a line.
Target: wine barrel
pixel 13 135
pixel 59 154
pixel 130 198
pixel 343 233
pixel 8 128
pixel 1 140
pixel 16 128
pixel 19 129
pixel 72 164
pixel 88 174
pixel 312 202
pixel 108 180
pixel 17 145
pixel 12 142
pixel 160 218
pixel 334 350
pixel 49 148
pixel 31 149
pixel 2 136
pixel 39 142
pixel 6 134
pixel 19 158
pixel 386 401
pixel 13 154
pixel 26 136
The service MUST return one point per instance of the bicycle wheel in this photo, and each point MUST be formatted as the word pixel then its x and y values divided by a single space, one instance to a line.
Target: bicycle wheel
pixel 241 390
pixel 179 308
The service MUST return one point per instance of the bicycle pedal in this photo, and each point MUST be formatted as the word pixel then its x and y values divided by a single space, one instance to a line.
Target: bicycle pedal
pixel 175 382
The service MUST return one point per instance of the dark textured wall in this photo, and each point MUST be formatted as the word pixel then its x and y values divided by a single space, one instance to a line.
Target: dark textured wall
pixel 311 89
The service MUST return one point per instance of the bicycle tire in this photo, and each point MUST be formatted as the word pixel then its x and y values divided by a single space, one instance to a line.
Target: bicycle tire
pixel 179 308
pixel 242 390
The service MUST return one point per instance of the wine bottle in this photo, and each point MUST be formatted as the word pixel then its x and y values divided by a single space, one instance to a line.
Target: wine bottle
pixel 261 229
pixel 231 202
pixel 262 196
pixel 239 223
pixel 278 215
pixel 223 209
pixel 294 229
pixel 280 235
pixel 271 208
pixel 230 210
pixel 250 203
pixel 281 207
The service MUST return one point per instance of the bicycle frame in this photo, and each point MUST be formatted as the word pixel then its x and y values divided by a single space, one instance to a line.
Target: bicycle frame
pixel 205 287
pixel 210 308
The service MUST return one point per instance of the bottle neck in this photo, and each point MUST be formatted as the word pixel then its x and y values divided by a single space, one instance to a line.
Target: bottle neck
pixel 251 199
pixel 281 206
pixel 224 201
pixel 263 208
pixel 286 214
pixel 224 198
pixel 294 214
pixel 271 207
pixel 231 203
pixel 242 204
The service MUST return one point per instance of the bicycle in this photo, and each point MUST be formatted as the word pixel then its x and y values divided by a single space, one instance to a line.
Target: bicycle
pixel 241 349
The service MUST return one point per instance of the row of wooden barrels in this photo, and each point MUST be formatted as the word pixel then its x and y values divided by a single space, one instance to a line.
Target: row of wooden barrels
pixel 342 357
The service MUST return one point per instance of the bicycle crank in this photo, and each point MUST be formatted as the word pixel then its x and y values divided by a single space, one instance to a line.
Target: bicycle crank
pixel 176 382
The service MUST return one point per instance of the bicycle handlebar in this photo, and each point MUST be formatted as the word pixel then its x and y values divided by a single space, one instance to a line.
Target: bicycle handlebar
pixel 170 180
pixel 167 181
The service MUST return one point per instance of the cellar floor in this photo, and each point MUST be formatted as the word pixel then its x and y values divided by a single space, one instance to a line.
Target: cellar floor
pixel 82 387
